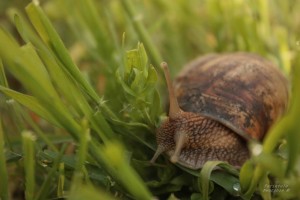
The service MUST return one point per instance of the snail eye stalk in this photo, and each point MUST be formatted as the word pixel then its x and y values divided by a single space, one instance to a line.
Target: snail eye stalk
pixel 174 106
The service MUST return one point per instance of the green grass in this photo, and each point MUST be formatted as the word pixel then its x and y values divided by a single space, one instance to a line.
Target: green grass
pixel 81 94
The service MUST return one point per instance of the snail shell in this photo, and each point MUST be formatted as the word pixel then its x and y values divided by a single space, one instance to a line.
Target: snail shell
pixel 223 102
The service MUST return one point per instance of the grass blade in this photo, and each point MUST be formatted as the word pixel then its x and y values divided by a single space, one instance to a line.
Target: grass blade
pixel 89 192
pixel 29 163
pixel 45 187
pixel 205 177
pixel 52 39
pixel 3 80
pixel 31 103
pixel 114 159
pixel 143 34
pixel 3 170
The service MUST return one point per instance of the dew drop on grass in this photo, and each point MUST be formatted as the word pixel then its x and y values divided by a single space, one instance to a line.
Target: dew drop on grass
pixel 237 189
pixel 256 149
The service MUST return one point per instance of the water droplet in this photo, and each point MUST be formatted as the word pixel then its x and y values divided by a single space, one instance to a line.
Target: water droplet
pixel 256 148
pixel 237 189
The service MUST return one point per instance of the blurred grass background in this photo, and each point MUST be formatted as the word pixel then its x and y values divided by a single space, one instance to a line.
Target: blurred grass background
pixel 89 133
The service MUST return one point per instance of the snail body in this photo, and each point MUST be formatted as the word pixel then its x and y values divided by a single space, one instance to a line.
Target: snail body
pixel 220 102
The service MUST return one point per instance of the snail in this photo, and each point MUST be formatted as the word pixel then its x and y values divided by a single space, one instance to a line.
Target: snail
pixel 218 104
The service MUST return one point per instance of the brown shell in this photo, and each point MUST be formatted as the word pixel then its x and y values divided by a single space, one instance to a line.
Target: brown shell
pixel 243 91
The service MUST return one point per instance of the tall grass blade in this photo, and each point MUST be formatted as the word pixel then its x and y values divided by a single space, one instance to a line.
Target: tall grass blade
pixel 29 163
pixel 3 80
pixel 3 170
pixel 52 39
